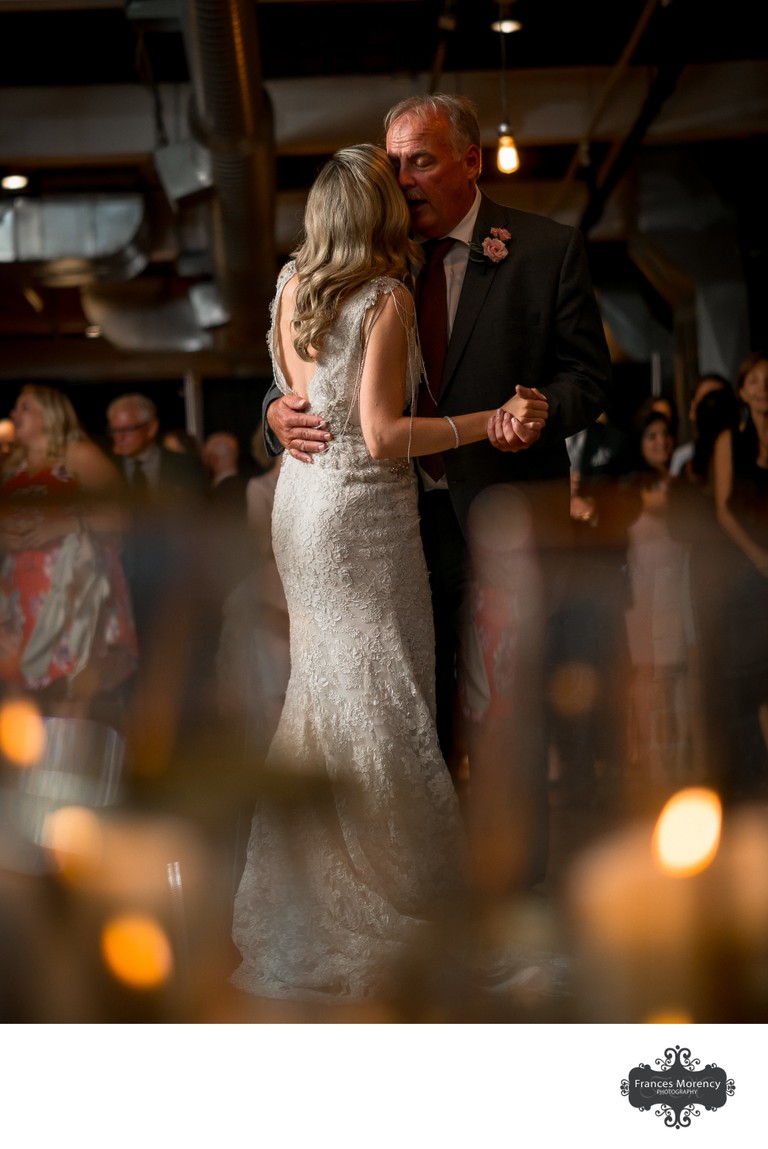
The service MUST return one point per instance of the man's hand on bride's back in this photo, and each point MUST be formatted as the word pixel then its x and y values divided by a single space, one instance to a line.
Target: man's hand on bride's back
pixel 301 435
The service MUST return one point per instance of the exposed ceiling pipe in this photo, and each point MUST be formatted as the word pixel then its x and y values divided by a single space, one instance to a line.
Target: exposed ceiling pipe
pixel 231 117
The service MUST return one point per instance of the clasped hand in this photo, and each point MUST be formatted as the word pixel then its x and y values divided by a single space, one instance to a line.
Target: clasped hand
pixel 518 423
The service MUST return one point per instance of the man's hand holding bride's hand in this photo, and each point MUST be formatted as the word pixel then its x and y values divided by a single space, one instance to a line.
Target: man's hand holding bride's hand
pixel 301 435
pixel 520 421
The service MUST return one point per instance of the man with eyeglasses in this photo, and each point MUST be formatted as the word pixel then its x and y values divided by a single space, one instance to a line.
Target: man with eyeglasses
pixel 148 467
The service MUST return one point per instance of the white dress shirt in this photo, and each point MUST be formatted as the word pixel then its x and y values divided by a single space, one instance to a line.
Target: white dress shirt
pixel 455 264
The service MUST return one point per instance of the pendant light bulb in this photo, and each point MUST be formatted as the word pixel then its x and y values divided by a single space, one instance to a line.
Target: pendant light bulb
pixel 507 159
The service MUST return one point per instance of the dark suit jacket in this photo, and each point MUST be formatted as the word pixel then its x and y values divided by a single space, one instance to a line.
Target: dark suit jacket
pixel 181 478
pixel 181 475
pixel 531 319
pixel 229 494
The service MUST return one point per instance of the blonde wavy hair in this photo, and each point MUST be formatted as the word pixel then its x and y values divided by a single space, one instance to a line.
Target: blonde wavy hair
pixel 356 226
pixel 60 422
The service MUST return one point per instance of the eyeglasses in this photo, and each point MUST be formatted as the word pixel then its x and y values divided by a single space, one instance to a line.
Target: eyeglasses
pixel 127 430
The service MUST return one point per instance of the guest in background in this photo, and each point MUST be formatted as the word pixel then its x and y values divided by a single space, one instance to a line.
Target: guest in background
pixel 228 558
pixel 660 405
pixel 741 501
pixel 227 483
pixel 706 385
pixel 692 521
pixel 599 452
pixel 165 491
pixel 182 441
pixel 150 469
pixel 716 410
pixel 253 656
pixel 66 629
pixel 660 629
pixel 651 446
pixel 588 649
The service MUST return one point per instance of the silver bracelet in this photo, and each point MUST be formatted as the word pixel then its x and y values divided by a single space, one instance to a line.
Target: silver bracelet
pixel 454 429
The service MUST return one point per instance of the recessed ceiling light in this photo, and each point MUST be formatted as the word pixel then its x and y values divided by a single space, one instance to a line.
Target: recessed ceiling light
pixel 506 26
pixel 14 182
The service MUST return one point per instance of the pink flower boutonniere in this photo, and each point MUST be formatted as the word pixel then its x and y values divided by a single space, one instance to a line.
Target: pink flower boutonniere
pixel 493 246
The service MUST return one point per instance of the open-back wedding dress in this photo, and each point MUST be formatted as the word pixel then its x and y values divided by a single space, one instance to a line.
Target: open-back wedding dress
pixel 349 872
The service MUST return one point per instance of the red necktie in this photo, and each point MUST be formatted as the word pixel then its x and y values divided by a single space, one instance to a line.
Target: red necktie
pixel 433 335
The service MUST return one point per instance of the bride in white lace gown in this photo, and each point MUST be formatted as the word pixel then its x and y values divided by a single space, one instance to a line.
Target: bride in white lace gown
pixel 336 889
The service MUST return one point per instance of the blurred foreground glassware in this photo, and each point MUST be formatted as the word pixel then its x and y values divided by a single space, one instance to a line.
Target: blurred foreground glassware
pixel 49 763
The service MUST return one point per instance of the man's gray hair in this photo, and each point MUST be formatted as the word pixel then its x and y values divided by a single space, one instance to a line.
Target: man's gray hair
pixel 460 111
pixel 142 404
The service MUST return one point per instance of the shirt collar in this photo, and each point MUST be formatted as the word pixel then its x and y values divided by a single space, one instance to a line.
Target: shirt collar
pixel 466 228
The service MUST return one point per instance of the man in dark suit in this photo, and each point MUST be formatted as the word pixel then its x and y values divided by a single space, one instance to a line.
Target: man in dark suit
pixel 148 467
pixel 521 314
pixel 166 490
pixel 227 507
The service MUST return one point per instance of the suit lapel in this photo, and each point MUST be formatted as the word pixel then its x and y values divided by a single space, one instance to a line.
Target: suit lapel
pixel 477 282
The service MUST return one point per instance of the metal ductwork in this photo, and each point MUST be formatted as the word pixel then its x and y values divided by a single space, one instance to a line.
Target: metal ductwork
pixel 231 117
pixel 226 172
pixel 73 241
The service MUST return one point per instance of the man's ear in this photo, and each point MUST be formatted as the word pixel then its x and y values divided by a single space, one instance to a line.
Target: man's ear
pixel 473 160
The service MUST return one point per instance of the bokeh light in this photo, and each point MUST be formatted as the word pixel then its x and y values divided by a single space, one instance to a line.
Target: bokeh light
pixel 22 733
pixel 687 833
pixel 73 836
pixel 136 951
pixel 670 1015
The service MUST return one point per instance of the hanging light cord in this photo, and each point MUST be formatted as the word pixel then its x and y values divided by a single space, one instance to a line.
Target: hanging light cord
pixel 503 76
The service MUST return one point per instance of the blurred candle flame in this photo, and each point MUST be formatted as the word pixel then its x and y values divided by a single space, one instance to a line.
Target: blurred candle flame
pixel 22 733
pixel 136 951
pixel 672 1015
pixel 687 833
